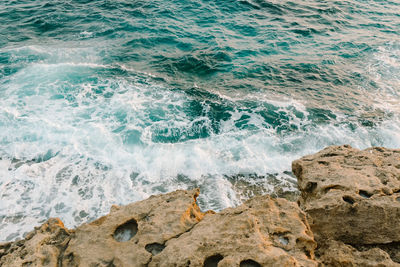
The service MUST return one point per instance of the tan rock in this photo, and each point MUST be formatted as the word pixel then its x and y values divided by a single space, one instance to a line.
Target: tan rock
pixel 336 253
pixel 351 198
pixel 129 235
pixel 261 232
pixel 41 247
pixel 169 230
pixel 393 249
pixel 351 195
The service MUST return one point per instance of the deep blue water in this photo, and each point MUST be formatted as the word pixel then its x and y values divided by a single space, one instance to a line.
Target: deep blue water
pixel 107 102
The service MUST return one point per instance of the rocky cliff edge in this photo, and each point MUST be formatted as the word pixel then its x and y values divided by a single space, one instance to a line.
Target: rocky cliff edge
pixel 348 214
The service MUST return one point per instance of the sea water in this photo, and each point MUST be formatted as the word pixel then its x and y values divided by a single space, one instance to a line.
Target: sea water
pixel 110 101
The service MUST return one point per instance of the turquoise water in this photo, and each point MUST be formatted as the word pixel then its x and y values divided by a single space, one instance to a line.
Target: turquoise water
pixel 107 102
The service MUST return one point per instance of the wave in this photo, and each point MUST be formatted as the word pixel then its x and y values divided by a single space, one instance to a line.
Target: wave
pixel 77 138
pixel 109 102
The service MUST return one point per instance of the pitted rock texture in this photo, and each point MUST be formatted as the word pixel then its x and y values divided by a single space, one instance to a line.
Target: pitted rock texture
pixel 170 230
pixel 336 253
pixel 44 246
pixel 352 199
pixel 123 237
pixel 261 232
pixel 351 195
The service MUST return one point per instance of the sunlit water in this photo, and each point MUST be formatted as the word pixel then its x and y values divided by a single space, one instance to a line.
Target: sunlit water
pixel 107 102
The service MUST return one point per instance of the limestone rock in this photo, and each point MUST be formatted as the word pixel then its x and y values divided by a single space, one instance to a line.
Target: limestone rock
pixel 351 195
pixel 41 247
pixel 350 200
pixel 261 232
pixel 392 249
pixel 336 253
pixel 170 230
pixel 131 234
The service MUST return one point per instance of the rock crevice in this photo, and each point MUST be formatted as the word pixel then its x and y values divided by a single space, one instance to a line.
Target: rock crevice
pixel 352 198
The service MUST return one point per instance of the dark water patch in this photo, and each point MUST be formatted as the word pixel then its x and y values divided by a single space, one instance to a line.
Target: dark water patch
pixel 266 5
pixel 306 32
pixel 149 41
pixel 200 63
pixel 319 115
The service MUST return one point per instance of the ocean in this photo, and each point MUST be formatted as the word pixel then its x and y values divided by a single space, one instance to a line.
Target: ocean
pixel 110 101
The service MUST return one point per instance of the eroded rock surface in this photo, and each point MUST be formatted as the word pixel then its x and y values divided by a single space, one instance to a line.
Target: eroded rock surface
pixel 132 234
pixel 348 192
pixel 353 196
pixel 350 203
pixel 44 246
pixel 170 230
pixel 336 253
pixel 261 232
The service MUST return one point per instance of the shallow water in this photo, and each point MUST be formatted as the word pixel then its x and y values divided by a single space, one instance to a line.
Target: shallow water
pixel 107 102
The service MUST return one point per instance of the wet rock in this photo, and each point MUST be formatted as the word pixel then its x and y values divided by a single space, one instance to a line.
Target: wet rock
pixel 261 232
pixel 351 195
pixel 41 247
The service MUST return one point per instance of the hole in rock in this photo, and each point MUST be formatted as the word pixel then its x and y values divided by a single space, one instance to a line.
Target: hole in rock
pixel 70 257
pixel 126 231
pixel 283 240
pixel 304 244
pixel 364 194
pixel 213 260
pixel 327 155
pixel 249 263
pixel 348 199
pixel 307 252
pixel 332 187
pixel 154 248
pixel 310 187
pixel 192 215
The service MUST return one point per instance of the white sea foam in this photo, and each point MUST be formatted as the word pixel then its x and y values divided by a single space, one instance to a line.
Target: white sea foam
pixel 71 148
pixel 384 69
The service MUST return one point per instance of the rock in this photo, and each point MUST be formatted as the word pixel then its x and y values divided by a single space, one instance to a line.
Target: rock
pixel 336 253
pixel 170 230
pixel 350 200
pixel 261 232
pixel 42 247
pixel 130 235
pixel 393 249
pixel 350 195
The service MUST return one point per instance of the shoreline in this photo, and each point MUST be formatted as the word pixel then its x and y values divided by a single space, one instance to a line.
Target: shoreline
pixel 346 215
